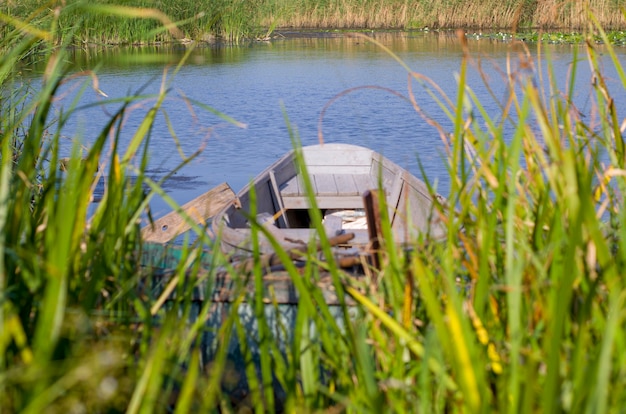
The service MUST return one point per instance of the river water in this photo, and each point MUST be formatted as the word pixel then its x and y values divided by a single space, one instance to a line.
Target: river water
pixel 355 83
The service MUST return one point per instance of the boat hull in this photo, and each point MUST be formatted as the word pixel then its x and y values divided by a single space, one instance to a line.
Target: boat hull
pixel 339 175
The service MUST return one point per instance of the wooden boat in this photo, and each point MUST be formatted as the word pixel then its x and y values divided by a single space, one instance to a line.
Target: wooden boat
pixel 340 175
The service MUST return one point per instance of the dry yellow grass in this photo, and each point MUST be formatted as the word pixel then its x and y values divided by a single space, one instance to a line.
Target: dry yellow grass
pixel 491 14
pixel 239 20
pixel 574 14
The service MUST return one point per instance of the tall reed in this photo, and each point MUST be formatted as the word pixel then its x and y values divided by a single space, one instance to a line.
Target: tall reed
pixel 525 298
pixel 77 327
pixel 89 24
pixel 519 309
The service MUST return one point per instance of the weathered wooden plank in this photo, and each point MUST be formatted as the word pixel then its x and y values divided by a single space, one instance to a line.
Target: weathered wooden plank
pixel 388 172
pixel 338 155
pixel 346 185
pixel 284 171
pixel 339 169
pixel 324 185
pixel 279 199
pixel 291 188
pixel 199 209
pixel 334 202
pixel 329 194
pixel 364 182
pixel 265 199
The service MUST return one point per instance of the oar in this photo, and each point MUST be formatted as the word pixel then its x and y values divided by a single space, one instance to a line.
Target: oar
pixel 199 209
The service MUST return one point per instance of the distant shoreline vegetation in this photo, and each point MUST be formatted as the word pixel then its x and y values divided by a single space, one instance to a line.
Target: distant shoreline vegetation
pixel 79 22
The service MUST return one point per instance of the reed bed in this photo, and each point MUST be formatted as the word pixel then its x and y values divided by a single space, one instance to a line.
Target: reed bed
pixel 236 20
pixel 519 309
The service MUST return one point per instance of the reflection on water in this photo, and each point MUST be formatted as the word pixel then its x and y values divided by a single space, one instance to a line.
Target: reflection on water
pixel 261 84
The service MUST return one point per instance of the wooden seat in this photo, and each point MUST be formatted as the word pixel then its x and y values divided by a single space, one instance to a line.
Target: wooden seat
pixel 331 191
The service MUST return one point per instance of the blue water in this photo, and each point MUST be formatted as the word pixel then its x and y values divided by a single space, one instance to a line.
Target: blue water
pixel 354 82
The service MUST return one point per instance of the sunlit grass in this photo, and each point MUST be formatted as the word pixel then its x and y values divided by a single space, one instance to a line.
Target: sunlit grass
pixel 519 309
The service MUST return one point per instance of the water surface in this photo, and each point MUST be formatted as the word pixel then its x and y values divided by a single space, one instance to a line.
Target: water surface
pixel 354 82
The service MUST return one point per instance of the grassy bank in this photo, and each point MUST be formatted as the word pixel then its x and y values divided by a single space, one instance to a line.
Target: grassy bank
pixel 235 20
pixel 520 309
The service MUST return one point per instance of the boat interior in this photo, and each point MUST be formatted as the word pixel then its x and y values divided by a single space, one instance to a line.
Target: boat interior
pixel 338 180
